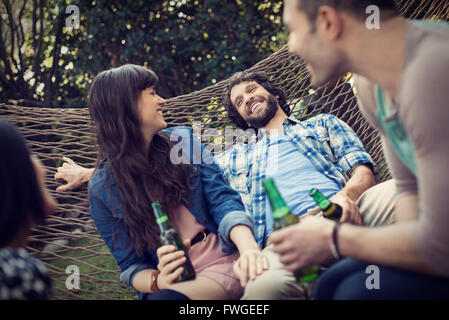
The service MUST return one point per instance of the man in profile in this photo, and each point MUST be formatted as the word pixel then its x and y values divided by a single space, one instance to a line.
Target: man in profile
pixel 402 85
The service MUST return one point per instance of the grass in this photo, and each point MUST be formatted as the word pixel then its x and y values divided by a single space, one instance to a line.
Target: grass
pixel 98 273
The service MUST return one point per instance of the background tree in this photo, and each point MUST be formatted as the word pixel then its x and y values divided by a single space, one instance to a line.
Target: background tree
pixel 30 51
pixel 190 44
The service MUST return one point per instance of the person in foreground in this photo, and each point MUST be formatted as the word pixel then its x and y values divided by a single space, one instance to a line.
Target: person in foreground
pixel 135 168
pixel 24 202
pixel 403 90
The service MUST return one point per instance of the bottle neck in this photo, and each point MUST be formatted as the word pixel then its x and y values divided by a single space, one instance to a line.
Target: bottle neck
pixel 280 212
pixel 163 222
pixel 278 206
pixel 322 202
pixel 276 202
pixel 161 217
pixel 329 210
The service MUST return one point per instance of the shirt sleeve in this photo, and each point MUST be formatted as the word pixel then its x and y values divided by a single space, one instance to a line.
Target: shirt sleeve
pixel 346 146
pixel 426 121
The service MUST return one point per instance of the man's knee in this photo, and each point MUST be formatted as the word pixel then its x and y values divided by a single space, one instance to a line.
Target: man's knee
pixel 377 204
pixel 271 286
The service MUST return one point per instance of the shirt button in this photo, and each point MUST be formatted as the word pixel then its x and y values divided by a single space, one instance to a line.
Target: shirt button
pixel 260 221
pixel 309 153
pixel 326 172
pixel 260 198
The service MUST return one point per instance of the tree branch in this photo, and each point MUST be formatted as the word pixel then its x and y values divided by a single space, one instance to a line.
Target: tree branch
pixel 17 81
pixel 50 84
pixel 12 26
pixel 37 59
pixel 22 34
pixel 21 40
pixel 4 53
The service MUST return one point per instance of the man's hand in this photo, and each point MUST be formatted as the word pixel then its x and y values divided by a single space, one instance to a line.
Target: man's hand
pixel 303 244
pixel 251 263
pixel 351 213
pixel 74 174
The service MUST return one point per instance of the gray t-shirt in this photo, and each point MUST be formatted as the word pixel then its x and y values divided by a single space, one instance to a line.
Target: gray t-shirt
pixel 422 106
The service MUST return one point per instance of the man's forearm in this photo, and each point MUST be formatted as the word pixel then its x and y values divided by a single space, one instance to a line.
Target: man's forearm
pixel 243 238
pixel 88 173
pixel 393 245
pixel 362 179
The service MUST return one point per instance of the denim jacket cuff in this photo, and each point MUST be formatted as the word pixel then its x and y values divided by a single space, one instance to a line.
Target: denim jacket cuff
pixel 229 221
pixel 127 276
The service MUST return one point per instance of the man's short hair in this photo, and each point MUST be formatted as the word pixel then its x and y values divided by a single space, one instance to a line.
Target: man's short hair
pixel 356 8
pixel 261 79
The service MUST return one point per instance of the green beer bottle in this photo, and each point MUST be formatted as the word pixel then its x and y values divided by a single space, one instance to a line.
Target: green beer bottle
pixel 169 236
pixel 330 210
pixel 283 217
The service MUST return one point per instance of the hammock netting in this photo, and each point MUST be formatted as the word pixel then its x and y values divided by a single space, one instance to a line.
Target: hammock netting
pixel 69 237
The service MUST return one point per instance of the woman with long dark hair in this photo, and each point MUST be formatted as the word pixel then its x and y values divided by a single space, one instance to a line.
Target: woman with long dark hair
pixel 24 202
pixel 137 165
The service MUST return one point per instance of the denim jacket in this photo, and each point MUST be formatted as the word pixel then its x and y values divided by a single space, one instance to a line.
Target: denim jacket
pixel 213 202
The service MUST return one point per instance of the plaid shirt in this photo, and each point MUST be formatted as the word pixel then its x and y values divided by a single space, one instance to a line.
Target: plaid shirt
pixel 329 143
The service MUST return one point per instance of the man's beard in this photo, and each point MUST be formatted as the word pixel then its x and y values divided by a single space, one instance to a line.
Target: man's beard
pixel 261 120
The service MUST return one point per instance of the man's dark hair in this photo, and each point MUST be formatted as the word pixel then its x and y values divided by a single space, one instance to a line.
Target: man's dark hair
pixel 21 200
pixel 261 79
pixel 356 8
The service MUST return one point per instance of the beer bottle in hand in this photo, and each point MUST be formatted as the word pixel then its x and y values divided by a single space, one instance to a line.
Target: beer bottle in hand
pixel 169 236
pixel 330 210
pixel 283 217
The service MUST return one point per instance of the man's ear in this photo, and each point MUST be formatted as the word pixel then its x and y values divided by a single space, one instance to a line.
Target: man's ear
pixel 329 23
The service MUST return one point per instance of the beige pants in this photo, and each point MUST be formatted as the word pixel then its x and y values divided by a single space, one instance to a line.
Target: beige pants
pixel 376 206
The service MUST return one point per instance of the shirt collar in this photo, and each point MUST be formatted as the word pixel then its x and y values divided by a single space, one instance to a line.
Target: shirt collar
pixel 292 120
pixel 262 133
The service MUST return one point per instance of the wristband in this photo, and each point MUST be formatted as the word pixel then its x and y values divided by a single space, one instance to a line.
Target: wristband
pixel 154 275
pixel 333 242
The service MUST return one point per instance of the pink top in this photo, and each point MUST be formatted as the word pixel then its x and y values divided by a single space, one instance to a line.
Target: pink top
pixel 207 256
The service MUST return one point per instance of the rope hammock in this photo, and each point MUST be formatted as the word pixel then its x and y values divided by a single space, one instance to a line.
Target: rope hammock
pixel 70 237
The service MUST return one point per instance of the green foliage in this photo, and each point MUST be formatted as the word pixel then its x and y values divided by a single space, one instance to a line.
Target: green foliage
pixel 190 44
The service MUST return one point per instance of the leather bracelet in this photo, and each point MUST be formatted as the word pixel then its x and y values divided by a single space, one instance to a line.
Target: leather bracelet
pixel 154 275
pixel 333 242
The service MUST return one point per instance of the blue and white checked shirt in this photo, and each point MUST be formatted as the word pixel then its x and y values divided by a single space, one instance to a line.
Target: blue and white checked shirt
pixel 330 144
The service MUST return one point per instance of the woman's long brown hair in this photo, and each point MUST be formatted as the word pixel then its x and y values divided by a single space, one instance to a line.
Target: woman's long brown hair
pixel 141 176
